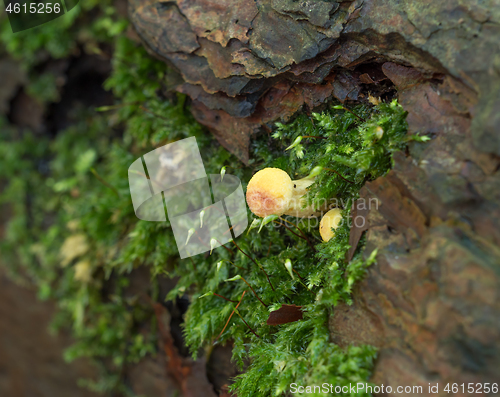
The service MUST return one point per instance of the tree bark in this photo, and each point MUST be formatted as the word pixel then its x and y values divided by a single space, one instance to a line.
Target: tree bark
pixel 431 302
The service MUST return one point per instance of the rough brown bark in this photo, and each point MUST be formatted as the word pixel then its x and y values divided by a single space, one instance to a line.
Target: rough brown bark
pixel 431 302
pixel 31 359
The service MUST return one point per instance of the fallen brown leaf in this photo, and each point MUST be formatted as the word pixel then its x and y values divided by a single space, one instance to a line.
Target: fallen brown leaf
pixel 285 314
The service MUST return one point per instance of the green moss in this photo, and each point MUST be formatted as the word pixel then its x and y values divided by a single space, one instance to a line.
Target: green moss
pixel 76 185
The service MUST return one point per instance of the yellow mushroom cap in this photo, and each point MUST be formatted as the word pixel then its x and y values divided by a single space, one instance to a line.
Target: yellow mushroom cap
pixel 331 220
pixel 269 192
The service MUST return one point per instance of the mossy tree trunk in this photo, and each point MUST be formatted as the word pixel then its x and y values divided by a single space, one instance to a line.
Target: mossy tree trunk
pixel 431 302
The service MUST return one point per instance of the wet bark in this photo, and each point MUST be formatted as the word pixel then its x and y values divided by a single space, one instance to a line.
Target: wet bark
pixel 431 302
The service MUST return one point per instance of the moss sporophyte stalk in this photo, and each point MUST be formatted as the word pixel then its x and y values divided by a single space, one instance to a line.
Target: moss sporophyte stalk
pixel 281 262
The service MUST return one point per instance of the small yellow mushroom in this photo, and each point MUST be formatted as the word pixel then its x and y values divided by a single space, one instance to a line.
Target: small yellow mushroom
pixel 330 221
pixel 271 191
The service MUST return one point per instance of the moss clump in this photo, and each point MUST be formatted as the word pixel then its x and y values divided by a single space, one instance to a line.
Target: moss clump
pixel 82 197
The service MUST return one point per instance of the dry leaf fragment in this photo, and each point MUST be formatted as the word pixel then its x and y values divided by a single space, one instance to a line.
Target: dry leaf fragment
pixel 73 247
pixel 285 314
